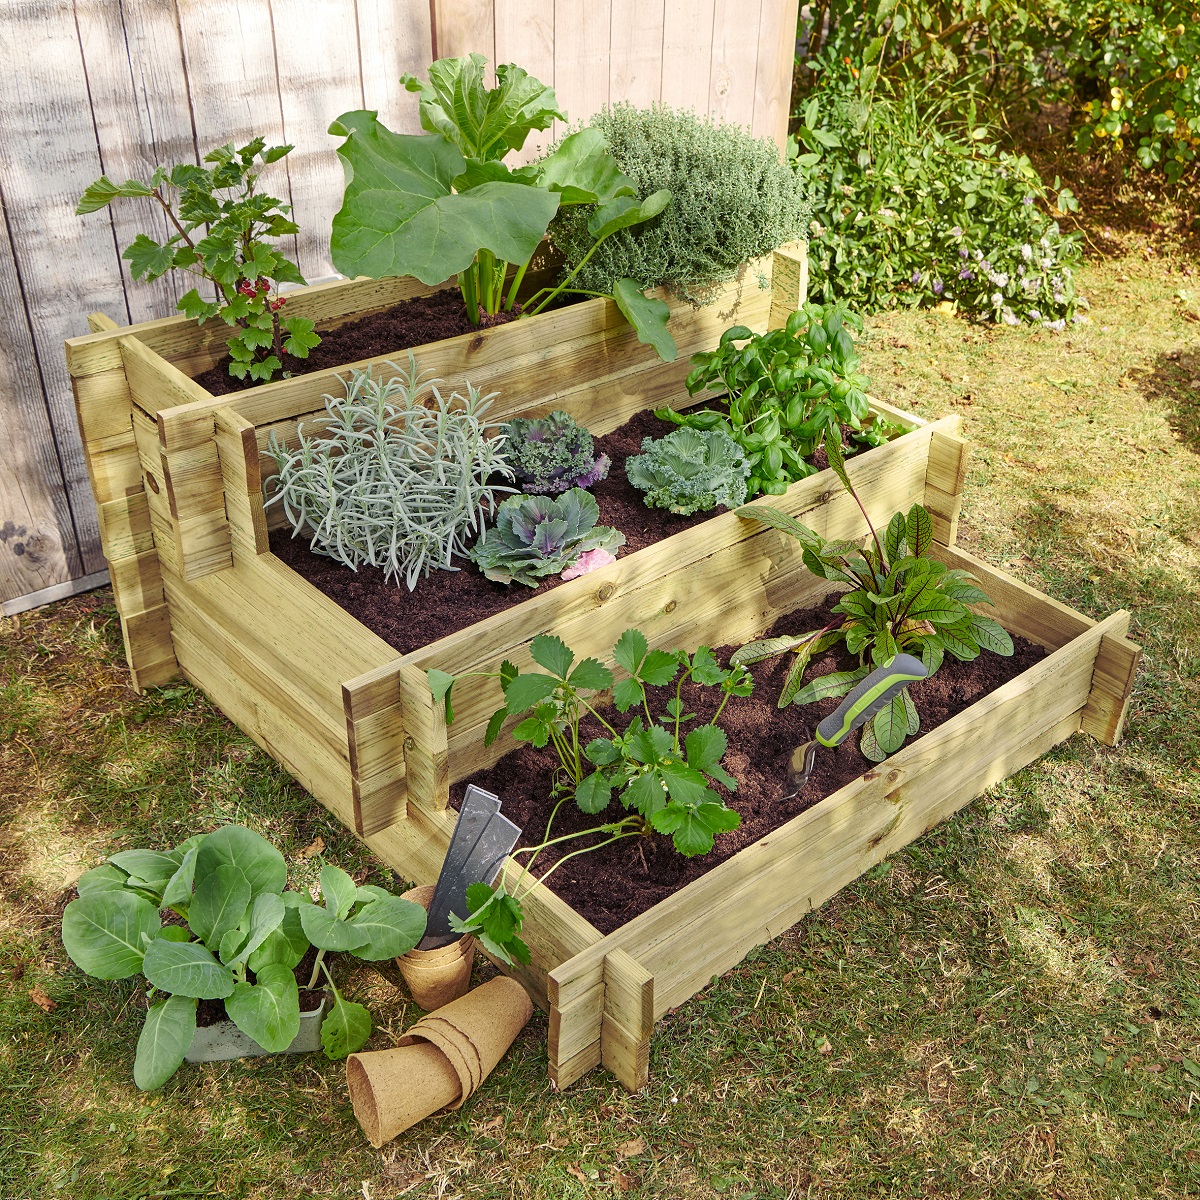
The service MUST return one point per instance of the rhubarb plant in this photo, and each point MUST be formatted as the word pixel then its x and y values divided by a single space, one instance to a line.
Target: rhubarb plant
pixel 900 598
pixel 222 232
pixel 212 920
pixel 443 203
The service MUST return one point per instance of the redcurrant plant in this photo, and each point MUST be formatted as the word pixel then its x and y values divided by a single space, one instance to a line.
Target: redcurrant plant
pixel 234 254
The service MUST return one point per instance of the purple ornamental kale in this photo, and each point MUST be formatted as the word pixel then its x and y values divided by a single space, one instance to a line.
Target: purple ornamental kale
pixel 553 454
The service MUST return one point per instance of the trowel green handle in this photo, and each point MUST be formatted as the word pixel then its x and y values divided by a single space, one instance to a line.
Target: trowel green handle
pixel 868 697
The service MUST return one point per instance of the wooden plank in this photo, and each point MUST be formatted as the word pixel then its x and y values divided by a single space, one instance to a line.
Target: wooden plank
pixel 241 481
pixel 425 744
pixel 734 62
pixel 1112 686
pixel 635 52
pixel 687 53
pixel 628 1019
pixel 38 547
pixel 525 35
pixel 789 281
pixel 563 1073
pixel 465 27
pixel 66 264
pixel 944 484
pixel 394 39
pixel 376 733
pixel 149 647
pixel 581 57
pixel 317 60
pixel 576 1027
pixel 58 591
pixel 139 102
pixel 773 71
pixel 104 411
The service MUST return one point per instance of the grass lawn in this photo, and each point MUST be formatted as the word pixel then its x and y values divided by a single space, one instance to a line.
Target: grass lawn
pixel 1008 1008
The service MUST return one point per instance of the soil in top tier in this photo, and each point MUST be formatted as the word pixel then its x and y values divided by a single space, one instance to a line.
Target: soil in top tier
pixel 447 601
pixel 410 323
pixel 617 883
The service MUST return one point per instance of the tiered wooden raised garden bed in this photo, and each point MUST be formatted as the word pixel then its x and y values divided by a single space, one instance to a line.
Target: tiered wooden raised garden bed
pixel 177 475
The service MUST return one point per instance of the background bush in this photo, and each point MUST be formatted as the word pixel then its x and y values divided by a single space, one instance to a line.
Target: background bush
pixel 733 198
pixel 914 204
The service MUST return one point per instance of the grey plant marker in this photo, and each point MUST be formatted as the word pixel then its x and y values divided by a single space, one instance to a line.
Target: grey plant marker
pixel 482 839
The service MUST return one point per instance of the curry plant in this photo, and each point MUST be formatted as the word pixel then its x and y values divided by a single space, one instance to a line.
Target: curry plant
pixel 787 388
pixel 443 203
pixel 900 599
pixel 662 766
pixel 211 920
pixel 234 255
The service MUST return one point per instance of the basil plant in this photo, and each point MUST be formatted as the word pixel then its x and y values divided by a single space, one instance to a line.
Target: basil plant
pixel 442 203
pixel 211 920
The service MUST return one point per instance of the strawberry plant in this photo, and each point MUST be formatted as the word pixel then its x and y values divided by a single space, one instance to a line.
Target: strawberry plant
pixel 661 767
pixel 234 255
pixel 900 599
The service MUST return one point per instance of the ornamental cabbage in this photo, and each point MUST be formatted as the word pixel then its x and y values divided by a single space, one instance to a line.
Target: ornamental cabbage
pixel 690 470
pixel 553 454
pixel 536 536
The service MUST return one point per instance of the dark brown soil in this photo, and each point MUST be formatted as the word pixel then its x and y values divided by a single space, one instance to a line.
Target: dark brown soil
pixel 209 1012
pixel 412 323
pixel 448 601
pixel 623 880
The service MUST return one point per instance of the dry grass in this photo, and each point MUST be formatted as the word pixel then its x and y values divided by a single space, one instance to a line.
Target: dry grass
pixel 1009 1008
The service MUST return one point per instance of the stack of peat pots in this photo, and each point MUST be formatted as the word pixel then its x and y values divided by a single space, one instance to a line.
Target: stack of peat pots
pixel 179 479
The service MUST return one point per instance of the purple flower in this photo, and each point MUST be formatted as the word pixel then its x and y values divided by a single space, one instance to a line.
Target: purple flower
pixel 956 231
pixel 964 253
pixel 938 287
pixel 966 273
pixel 1027 200
pixel 916 277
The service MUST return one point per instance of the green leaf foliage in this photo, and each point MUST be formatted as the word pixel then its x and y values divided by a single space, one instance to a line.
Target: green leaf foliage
pixel 393 927
pixel 219 224
pixel 268 1010
pixel 221 900
pixel 251 853
pixel 166 1037
pixel 186 969
pixel 345 1028
pixel 104 931
pixel 648 315
pixel 327 932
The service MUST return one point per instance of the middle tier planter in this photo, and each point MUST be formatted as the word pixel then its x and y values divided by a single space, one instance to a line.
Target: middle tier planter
pixel 179 482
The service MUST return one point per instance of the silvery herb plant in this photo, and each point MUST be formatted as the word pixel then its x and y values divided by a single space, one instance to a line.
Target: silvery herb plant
pixel 554 453
pixel 212 920
pixel 538 536
pixel 399 477
pixel 443 203
pixel 690 470
pixel 787 388
pixel 661 767
pixel 235 255
pixel 900 599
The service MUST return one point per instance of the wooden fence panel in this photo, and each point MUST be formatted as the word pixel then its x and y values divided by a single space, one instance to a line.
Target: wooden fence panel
pixel 92 86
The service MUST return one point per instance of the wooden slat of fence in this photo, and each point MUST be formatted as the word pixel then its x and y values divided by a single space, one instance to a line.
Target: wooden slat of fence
pixel 635 52
pixel 731 79
pixel 773 76
pixel 525 36
pixel 687 53
pixel 394 38
pixel 581 59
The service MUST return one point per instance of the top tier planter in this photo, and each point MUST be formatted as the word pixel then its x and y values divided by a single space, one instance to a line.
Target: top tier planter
pixel 180 491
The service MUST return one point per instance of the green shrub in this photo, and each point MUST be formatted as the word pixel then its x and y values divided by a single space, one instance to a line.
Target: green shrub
pixel 914 206
pixel 733 200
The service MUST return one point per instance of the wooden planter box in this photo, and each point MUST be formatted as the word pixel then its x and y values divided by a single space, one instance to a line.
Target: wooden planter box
pixel 177 477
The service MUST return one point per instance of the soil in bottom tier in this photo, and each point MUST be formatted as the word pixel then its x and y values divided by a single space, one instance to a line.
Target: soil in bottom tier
pixel 617 883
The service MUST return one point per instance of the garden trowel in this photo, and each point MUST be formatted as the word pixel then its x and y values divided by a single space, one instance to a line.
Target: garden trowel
pixel 482 840
pixel 868 697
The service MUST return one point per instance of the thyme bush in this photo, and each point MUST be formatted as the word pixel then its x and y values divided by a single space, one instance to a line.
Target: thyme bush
pixel 394 480
pixel 733 200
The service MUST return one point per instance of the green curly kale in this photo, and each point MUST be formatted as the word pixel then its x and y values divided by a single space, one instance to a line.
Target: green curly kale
pixel 690 470
pixel 536 536
pixel 733 200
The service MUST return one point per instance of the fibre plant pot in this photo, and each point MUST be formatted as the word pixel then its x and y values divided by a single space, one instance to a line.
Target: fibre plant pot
pixel 224 1040
pixel 439 1063
pixel 435 977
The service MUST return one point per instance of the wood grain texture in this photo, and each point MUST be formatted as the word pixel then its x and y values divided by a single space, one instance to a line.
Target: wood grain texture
pixel 393 39
pixel 635 52
pixel 525 35
pixel 734 65
pixel 773 69
pixel 687 53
